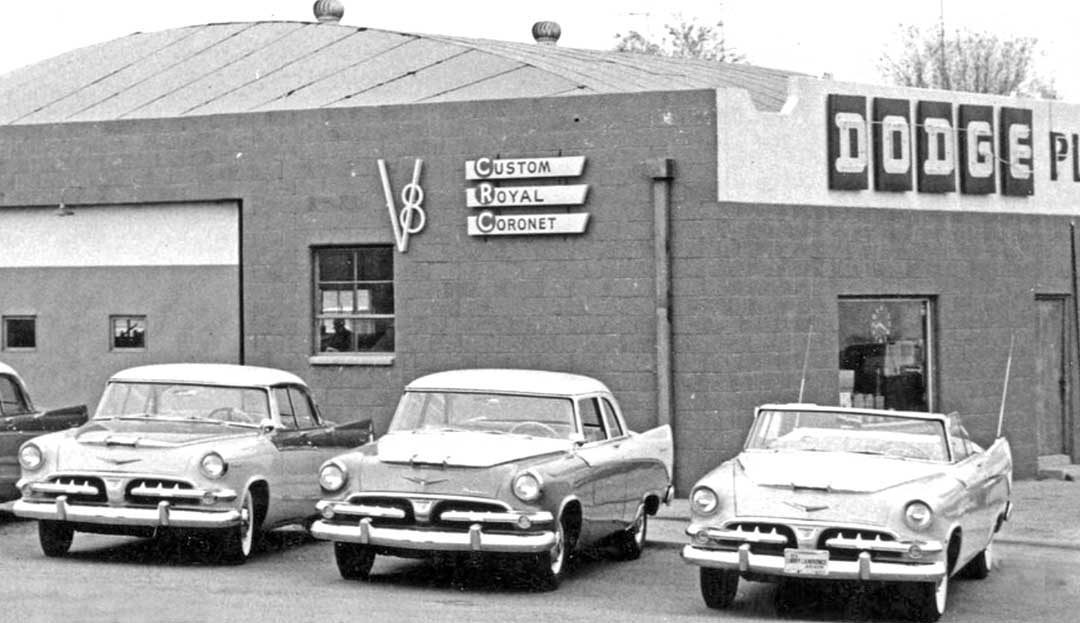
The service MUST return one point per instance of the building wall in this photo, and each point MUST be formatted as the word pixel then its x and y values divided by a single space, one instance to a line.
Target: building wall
pixel 750 281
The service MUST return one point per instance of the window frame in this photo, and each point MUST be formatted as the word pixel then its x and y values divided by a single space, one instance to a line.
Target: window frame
pixel 318 316
pixel 128 349
pixel 5 340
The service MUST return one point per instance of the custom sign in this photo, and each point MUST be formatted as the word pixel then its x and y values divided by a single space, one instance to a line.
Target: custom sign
pixel 523 168
pixel 488 223
pixel 412 218
pixel 488 195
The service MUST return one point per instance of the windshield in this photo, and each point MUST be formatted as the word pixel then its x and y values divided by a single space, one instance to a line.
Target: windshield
pixel 242 405
pixel 538 416
pixel 861 433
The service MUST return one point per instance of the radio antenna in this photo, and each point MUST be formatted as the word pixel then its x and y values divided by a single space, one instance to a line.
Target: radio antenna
pixel 1005 388
pixel 805 361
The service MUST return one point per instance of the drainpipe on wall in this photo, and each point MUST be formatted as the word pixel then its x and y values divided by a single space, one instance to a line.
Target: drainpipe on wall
pixel 1070 420
pixel 661 171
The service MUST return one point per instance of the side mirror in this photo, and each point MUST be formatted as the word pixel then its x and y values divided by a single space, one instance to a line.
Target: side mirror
pixel 267 426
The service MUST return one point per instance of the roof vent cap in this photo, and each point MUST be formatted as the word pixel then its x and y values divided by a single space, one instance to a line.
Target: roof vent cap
pixel 546 33
pixel 328 11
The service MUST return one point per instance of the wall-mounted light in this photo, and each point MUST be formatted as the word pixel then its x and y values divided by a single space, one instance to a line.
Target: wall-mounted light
pixel 63 210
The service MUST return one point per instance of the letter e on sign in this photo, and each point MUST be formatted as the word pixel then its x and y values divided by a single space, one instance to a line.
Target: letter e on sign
pixel 976 149
pixel 936 145
pixel 846 128
pixel 892 144
pixel 1017 178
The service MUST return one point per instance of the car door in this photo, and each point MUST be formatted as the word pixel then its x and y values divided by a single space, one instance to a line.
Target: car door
pixel 977 508
pixel 604 485
pixel 300 457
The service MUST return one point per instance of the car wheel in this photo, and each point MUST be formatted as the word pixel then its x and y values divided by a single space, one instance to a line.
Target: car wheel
pixel 550 566
pixel 981 565
pixel 718 586
pixel 354 561
pixel 631 541
pixel 930 599
pixel 238 541
pixel 55 537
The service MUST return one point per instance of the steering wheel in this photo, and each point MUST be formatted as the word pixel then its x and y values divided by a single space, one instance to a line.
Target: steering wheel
pixel 534 429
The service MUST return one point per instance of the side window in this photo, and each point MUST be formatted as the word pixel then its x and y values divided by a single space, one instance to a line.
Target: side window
pixel 127 332
pixel 302 410
pixel 961 445
pixel 285 409
pixel 354 299
pixel 591 425
pixel 20 332
pixel 610 420
pixel 11 398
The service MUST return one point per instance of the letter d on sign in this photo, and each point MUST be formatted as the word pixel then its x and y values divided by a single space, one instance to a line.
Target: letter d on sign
pixel 846 129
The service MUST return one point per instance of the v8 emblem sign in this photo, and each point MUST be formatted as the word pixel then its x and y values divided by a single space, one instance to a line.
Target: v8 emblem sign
pixel 411 219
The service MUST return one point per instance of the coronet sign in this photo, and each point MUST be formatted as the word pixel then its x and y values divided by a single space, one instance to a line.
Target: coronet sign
pixel 489 196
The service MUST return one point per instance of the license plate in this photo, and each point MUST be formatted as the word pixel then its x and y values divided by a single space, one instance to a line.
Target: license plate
pixel 806 562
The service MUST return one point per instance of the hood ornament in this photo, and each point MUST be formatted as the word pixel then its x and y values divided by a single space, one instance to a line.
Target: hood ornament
pixel 118 460
pixel 424 482
pixel 807 508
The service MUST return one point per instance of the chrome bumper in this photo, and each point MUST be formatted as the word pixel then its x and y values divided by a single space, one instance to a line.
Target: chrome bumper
pixel 474 540
pixel 163 516
pixel 744 561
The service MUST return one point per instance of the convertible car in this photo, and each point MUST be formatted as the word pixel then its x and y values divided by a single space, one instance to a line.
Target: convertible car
pixel 20 421
pixel 528 464
pixel 830 493
pixel 225 450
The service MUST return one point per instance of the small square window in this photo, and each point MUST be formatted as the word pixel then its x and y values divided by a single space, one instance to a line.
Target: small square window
pixel 128 332
pixel 354 300
pixel 20 332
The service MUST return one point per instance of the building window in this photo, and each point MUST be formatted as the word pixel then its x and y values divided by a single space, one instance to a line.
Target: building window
pixel 886 349
pixel 20 332
pixel 354 300
pixel 128 332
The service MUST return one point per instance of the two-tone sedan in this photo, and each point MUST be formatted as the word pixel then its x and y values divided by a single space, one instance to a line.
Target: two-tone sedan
pixel 521 463
pixel 830 493
pixel 224 450
pixel 20 421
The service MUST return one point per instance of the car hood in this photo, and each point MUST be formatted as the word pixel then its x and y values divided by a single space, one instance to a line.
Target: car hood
pixel 464 448
pixel 131 444
pixel 830 486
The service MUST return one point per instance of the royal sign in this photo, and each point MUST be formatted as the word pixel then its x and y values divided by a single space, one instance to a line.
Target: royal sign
pixel 490 197
pixel 946 143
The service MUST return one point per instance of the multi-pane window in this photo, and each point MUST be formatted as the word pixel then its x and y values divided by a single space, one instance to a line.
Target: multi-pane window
pixel 20 332
pixel 128 332
pixel 354 299
pixel 886 348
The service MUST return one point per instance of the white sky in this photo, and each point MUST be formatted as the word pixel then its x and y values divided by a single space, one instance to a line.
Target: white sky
pixel 842 37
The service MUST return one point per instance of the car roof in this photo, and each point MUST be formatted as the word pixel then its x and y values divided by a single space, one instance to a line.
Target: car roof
pixel 6 369
pixel 208 374
pixel 797 406
pixel 509 381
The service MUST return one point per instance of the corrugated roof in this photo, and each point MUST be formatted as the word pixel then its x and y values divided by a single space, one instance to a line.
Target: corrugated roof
pixel 259 66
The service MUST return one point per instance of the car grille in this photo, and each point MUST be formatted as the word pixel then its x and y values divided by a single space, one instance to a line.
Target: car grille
pixel 405 517
pixel 765 528
pixel 162 489
pixel 837 553
pixel 78 489
pixel 466 506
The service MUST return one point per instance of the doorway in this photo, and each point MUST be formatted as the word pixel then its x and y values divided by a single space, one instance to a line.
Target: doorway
pixel 1051 378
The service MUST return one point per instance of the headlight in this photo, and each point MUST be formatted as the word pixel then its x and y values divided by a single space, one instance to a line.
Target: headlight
pixel 31 457
pixel 332 477
pixel 704 501
pixel 213 466
pixel 918 516
pixel 527 487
